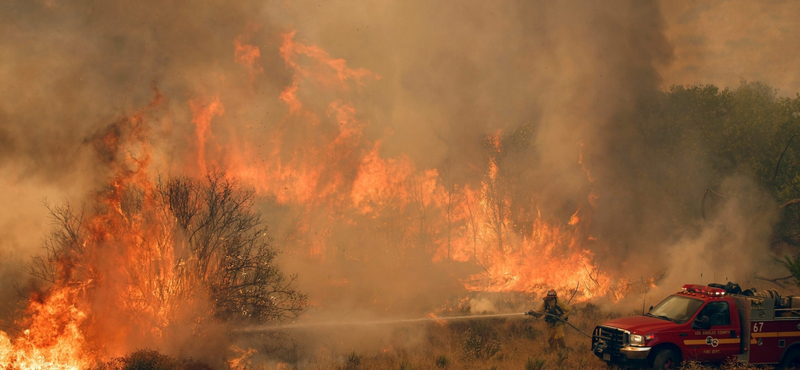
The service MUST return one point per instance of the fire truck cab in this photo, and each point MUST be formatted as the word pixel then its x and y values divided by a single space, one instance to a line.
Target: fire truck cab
pixel 708 324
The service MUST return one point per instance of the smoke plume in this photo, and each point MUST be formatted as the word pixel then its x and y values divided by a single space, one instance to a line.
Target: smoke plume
pixel 351 121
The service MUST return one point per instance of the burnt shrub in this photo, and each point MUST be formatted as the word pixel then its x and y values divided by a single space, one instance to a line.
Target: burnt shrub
pixel 149 359
pixel 353 362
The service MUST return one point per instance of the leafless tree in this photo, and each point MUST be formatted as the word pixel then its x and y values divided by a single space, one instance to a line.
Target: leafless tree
pixel 201 235
pixel 419 195
pixel 451 201
pixel 495 193
pixel 63 247
pixel 229 246
pixel 473 223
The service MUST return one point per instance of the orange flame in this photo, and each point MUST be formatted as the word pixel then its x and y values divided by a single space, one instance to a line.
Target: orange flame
pixel 462 222
pixel 53 339
pixel 116 287
pixel 203 113
pixel 324 71
pixel 127 290
pixel 242 358
pixel 248 55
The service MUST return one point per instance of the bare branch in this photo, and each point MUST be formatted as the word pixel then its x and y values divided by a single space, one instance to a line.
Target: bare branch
pixel 776 281
pixel 791 202
pixel 777 166
pixel 574 292
pixel 703 202
pixel 594 280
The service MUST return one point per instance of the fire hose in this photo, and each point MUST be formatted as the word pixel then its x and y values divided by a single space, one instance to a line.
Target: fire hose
pixel 261 328
pixel 559 318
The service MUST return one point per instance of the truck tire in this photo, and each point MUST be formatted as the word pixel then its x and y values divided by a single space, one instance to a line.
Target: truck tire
pixel 791 360
pixel 667 359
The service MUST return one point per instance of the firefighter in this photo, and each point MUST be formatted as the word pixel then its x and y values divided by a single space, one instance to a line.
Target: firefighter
pixel 558 312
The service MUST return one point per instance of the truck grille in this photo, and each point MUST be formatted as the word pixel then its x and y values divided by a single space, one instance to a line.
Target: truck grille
pixel 613 338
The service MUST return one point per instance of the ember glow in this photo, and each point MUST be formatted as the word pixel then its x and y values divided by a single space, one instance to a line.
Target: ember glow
pixel 53 338
pixel 398 183
pixel 129 266
pixel 125 279
pixel 472 221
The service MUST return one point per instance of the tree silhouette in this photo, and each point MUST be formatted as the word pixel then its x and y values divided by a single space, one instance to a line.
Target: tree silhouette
pixel 183 239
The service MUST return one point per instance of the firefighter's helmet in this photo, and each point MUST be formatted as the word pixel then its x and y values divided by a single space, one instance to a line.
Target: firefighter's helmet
pixel 552 293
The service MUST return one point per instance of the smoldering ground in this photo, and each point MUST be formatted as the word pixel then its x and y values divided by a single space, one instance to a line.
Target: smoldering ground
pixel 564 86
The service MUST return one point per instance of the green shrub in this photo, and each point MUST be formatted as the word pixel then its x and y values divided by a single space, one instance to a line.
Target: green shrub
pixel 524 329
pixel 535 364
pixel 442 361
pixel 562 356
pixel 531 332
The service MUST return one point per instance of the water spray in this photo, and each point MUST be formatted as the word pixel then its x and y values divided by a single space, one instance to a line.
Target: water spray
pixel 261 328
pixel 267 328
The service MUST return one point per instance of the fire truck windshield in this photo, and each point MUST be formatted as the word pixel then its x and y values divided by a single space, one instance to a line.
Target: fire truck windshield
pixel 675 308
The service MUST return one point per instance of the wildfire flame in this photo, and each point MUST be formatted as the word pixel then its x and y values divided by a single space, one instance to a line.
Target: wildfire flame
pixel 246 54
pixel 461 222
pixel 53 339
pixel 127 269
pixel 116 286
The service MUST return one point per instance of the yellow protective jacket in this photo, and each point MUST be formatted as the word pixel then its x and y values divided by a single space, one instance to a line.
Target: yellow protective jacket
pixel 555 307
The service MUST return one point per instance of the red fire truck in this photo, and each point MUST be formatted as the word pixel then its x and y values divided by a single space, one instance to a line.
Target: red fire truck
pixel 707 324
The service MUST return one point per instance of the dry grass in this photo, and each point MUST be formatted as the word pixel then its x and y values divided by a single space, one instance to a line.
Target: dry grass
pixel 481 344
pixel 487 344
pixel 490 343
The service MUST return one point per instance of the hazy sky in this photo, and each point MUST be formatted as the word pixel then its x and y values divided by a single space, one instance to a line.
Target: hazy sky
pixel 452 72
pixel 721 42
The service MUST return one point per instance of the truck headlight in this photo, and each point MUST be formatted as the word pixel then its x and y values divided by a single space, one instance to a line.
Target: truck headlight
pixel 636 340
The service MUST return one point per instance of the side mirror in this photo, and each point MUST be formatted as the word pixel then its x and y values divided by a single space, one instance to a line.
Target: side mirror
pixel 702 323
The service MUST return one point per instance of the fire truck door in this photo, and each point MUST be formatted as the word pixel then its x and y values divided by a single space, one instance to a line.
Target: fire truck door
pixel 694 344
pixel 721 340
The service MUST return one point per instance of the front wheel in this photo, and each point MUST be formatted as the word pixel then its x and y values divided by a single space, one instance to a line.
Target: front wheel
pixel 791 360
pixel 667 359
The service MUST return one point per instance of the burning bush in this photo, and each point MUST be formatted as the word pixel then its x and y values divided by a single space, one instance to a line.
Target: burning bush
pixel 185 239
pixel 152 264
pixel 229 248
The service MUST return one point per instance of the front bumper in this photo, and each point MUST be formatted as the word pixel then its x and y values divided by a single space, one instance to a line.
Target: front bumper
pixel 635 353
pixel 628 356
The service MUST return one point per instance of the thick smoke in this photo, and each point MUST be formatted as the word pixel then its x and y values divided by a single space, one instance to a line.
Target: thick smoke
pixel 730 246
pixel 563 82
pixel 722 42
